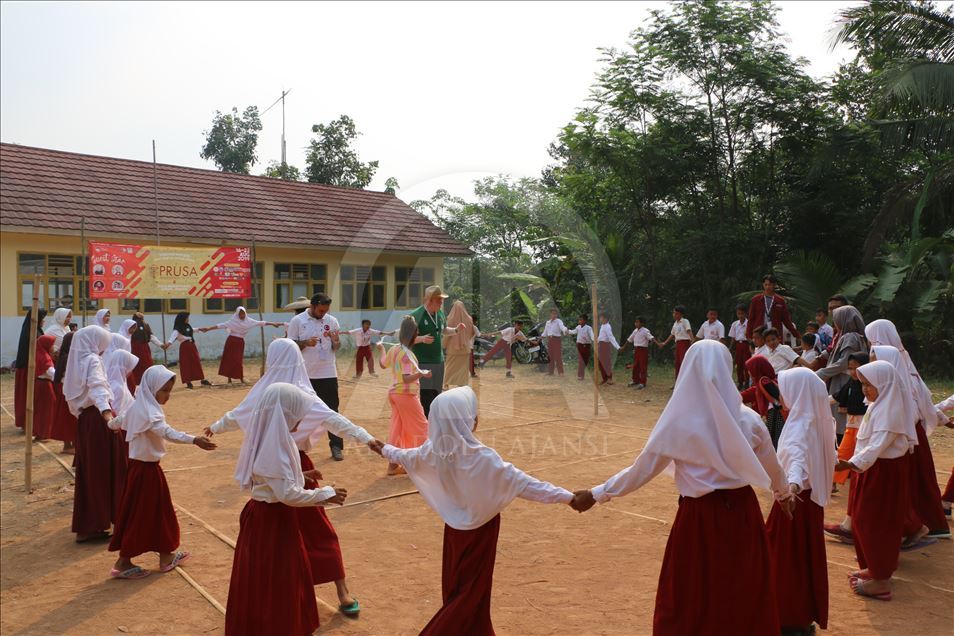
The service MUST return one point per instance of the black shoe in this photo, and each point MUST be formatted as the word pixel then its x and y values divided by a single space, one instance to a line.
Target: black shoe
pixel 206 383
pixel 189 385
pixel 337 455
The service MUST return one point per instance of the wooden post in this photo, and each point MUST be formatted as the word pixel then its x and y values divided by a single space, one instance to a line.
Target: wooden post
pixel 258 299
pixel 84 298
pixel 31 381
pixel 596 351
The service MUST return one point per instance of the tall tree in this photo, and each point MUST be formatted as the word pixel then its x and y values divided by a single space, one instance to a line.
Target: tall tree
pixel 232 139
pixel 332 160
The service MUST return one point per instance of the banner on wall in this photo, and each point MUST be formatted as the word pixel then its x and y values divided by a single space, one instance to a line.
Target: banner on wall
pixel 152 271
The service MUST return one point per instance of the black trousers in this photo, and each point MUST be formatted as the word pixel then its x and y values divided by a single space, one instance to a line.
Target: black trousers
pixel 431 387
pixel 327 390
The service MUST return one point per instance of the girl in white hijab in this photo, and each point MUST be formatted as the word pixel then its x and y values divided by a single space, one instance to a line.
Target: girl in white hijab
pixel 468 485
pixel 147 521
pixel 127 328
pixel 270 569
pixel 882 458
pixel 237 326
pixel 806 450
pixel 59 326
pixel 284 363
pixel 716 449
pixel 101 319
pixel 118 364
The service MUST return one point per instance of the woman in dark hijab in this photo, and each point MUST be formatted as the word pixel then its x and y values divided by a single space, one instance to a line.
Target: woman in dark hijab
pixel 849 339
pixel 20 366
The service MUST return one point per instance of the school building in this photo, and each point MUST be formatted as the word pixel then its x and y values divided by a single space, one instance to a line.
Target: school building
pixel 371 252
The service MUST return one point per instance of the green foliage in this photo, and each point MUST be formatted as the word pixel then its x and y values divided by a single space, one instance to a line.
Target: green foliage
pixel 332 160
pixel 231 140
pixel 391 185
pixel 284 171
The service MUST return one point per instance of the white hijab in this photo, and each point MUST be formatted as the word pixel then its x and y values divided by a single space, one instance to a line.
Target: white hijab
pixel 100 319
pixel 119 363
pixel 238 326
pixel 702 423
pixel 882 332
pixel 283 363
pixel 124 329
pixel 59 325
pixel 145 411
pixel 465 482
pixel 117 342
pixel 84 366
pixel 893 411
pixel 892 355
pixel 268 450
pixel 809 424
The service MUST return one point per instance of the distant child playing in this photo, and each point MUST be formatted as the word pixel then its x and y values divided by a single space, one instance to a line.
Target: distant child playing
pixel 712 328
pixel 362 339
pixel 740 345
pixel 508 336
pixel 640 339
pixel 584 344
pixel 606 342
pixel 681 332
pixel 553 331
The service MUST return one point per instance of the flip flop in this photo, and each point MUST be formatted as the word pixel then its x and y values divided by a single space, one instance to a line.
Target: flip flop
pixel 178 559
pixel 131 574
pixel 857 575
pixel 920 543
pixel 857 586
pixel 351 610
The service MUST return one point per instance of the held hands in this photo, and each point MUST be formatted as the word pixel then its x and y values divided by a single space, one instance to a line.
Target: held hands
pixel 376 445
pixel 204 443
pixel 426 373
pixel 313 475
pixel 843 465
pixel 107 416
pixel 424 340
pixel 208 432
pixel 340 495
pixel 582 500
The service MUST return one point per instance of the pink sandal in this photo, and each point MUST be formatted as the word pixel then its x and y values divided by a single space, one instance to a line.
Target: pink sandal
pixel 178 559
pixel 131 574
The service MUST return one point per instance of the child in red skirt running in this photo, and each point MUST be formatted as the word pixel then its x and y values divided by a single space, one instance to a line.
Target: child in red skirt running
pixel 147 521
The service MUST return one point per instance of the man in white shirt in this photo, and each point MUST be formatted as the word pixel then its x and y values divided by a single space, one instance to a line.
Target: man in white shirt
pixel 316 332
pixel 362 340
pixel 584 345
pixel 781 357
pixel 553 331
pixel 508 336
pixel 712 329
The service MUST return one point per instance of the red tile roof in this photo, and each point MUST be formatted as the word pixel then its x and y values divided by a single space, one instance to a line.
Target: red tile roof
pixel 51 190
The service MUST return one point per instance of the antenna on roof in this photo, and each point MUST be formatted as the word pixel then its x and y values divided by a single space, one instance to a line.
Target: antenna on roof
pixel 282 100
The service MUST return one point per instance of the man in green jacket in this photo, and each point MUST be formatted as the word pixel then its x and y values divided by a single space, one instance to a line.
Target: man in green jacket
pixel 431 327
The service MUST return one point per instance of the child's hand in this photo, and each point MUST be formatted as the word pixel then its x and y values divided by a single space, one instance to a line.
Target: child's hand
pixel 208 432
pixel 376 445
pixel 340 495
pixel 424 340
pixel 582 500
pixel 204 443
pixel 843 465
pixel 107 416
pixel 313 475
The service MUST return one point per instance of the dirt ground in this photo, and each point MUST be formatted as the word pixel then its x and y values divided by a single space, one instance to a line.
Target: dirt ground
pixel 557 572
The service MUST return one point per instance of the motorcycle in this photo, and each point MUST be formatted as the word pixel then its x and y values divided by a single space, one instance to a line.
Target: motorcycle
pixel 533 349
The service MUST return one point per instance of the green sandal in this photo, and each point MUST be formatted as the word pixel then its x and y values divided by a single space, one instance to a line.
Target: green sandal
pixel 351 610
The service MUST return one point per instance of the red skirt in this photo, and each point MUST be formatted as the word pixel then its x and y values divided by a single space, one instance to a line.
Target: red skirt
pixel 742 353
pixel 682 346
pixel 925 494
pixel 64 423
pixel 19 397
pixel 231 364
pixel 44 407
pixel 97 492
pixel 146 521
pixel 321 540
pixel 716 575
pixel 801 564
pixel 878 510
pixel 466 581
pixel 190 366
pixel 271 590
pixel 949 490
pixel 142 351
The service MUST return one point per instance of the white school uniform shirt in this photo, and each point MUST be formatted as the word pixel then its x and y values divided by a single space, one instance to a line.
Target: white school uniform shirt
pixel 828 330
pixel 760 351
pixel 606 335
pixel 362 338
pixel 682 330
pixel 554 327
pixel 737 330
pixel 149 446
pixel 640 337
pixel 782 359
pixel 175 336
pixel 946 404
pixel 320 359
pixel 583 333
pixel 509 334
pixel 809 355
pixel 711 331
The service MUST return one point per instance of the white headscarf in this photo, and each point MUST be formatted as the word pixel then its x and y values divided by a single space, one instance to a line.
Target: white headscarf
pixel 893 411
pixel 702 423
pixel 117 342
pixel 810 424
pixel 892 355
pixel 268 450
pixel 84 366
pixel 100 319
pixel 119 363
pixel 145 411
pixel 59 324
pixel 465 482
pixel 124 328
pixel 238 326
pixel 283 363
pixel 882 332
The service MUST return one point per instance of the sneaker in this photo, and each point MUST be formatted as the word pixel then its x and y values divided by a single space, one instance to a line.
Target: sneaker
pixel 337 455
pixel 940 534
pixel 836 530
pixel 206 383
pixel 640 386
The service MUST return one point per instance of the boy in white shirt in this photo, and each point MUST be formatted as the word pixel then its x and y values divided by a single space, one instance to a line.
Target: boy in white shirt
pixel 640 339
pixel 782 357
pixel 606 342
pixel 809 352
pixel 508 336
pixel 712 329
pixel 584 344
pixel 740 346
pixel 553 331
pixel 681 332
pixel 362 340
pixel 825 331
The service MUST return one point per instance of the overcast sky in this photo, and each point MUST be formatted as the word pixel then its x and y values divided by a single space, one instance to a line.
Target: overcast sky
pixel 442 93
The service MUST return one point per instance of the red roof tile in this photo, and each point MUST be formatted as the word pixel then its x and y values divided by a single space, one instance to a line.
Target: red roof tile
pixel 42 188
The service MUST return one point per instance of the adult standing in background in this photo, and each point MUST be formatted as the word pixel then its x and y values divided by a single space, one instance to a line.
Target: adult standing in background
pixel 428 348
pixel 459 346
pixel 769 310
pixel 850 339
pixel 316 333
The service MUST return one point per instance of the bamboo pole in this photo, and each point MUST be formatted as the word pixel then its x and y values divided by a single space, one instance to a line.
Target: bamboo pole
pixel 84 297
pixel 258 301
pixel 31 382
pixel 596 351
pixel 162 301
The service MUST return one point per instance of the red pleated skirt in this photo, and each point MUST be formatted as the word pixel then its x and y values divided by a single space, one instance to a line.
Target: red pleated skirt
pixel 142 351
pixel 98 488
pixel 801 564
pixel 925 493
pixel 682 347
pixel 64 423
pixel 466 581
pixel 321 540
pixel 271 589
pixel 44 407
pixel 19 397
pixel 878 508
pixel 146 521
pixel 190 366
pixel 716 575
pixel 231 363
pixel 949 490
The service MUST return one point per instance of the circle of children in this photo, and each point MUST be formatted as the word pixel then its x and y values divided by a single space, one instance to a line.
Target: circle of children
pixel 850 406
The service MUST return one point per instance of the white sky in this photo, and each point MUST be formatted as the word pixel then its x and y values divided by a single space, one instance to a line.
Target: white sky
pixel 442 93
